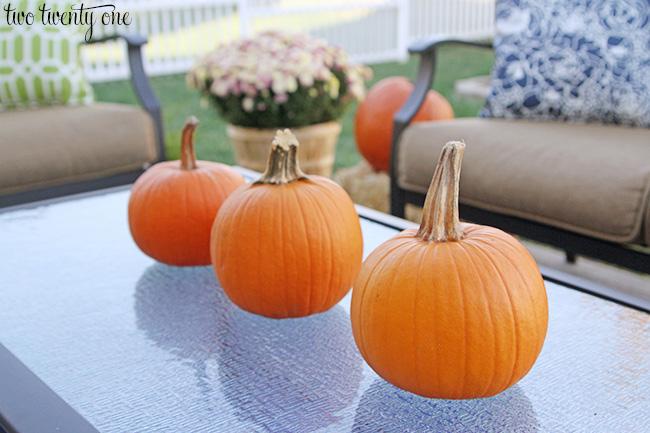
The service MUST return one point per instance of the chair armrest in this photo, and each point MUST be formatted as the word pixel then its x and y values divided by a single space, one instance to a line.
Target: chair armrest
pixel 431 44
pixel 134 39
pixel 426 49
pixel 140 81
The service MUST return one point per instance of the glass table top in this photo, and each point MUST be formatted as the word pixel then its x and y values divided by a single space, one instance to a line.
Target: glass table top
pixel 138 346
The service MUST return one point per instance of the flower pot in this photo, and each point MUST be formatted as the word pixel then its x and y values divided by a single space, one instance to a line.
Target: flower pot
pixel 315 154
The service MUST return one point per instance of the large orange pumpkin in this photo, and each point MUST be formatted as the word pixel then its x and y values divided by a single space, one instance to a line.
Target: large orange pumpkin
pixel 453 311
pixel 373 127
pixel 172 205
pixel 287 245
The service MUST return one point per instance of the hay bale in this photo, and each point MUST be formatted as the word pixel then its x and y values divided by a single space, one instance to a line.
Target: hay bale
pixel 413 213
pixel 365 186
pixel 371 188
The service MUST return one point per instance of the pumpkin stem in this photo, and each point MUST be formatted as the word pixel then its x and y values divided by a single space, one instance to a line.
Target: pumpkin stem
pixel 440 222
pixel 188 156
pixel 282 167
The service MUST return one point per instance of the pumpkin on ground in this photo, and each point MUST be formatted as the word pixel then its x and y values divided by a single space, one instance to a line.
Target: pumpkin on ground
pixel 172 205
pixel 373 124
pixel 287 245
pixel 453 311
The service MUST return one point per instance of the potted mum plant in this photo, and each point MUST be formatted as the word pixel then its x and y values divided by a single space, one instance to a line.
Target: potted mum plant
pixel 279 80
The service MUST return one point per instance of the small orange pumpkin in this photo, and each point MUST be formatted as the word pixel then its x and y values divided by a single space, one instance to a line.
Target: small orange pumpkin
pixel 453 311
pixel 172 206
pixel 373 124
pixel 287 245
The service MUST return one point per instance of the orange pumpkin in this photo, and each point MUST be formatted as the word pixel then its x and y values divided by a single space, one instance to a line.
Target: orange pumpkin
pixel 453 311
pixel 373 127
pixel 172 206
pixel 287 245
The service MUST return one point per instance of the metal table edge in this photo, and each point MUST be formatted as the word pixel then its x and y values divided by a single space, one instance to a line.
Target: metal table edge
pixel 28 405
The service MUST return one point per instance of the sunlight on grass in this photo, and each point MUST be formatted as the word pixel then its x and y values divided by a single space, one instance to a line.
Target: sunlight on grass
pixel 188 42
pixel 307 22
pixel 198 39
pixel 194 41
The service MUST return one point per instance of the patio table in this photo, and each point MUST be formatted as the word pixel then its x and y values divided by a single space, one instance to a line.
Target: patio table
pixel 96 336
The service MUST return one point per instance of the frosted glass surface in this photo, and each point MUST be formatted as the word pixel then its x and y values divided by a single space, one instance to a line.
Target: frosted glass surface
pixel 137 346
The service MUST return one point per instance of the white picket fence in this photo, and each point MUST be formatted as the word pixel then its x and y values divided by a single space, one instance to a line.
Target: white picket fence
pixel 371 31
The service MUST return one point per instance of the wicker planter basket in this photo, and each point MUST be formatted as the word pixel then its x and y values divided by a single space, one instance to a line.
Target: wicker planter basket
pixel 315 154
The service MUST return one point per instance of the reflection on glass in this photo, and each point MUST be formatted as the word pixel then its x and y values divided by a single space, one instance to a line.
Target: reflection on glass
pixel 280 375
pixel 183 310
pixel 385 408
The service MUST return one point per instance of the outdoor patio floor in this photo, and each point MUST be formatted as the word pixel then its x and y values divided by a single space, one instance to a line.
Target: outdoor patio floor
pixel 598 272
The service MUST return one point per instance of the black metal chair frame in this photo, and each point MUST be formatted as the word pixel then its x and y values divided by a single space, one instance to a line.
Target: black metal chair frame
pixel 573 244
pixel 149 102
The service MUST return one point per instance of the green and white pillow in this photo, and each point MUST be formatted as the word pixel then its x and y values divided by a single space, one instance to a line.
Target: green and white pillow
pixel 40 64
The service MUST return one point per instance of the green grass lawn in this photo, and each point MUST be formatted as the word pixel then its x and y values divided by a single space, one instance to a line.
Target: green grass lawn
pixel 178 102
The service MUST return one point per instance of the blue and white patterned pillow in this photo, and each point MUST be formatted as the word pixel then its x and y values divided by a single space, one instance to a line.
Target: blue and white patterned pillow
pixel 572 60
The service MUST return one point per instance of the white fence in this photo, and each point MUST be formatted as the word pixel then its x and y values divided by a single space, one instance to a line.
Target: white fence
pixel 371 31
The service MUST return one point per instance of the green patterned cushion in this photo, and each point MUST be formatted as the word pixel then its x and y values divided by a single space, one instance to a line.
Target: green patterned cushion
pixel 40 64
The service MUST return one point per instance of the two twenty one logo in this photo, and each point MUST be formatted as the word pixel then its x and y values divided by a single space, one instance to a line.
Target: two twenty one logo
pixel 78 15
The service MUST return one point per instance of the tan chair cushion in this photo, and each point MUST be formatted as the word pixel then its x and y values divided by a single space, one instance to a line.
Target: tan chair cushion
pixel 50 146
pixel 590 179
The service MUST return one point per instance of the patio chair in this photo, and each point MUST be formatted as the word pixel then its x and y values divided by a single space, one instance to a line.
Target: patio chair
pixel 61 149
pixel 561 152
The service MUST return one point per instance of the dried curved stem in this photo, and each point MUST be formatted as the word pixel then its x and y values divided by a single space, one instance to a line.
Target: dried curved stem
pixel 282 167
pixel 440 221
pixel 188 156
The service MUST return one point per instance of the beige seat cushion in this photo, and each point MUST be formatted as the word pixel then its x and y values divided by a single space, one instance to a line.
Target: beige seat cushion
pixel 590 179
pixel 50 146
